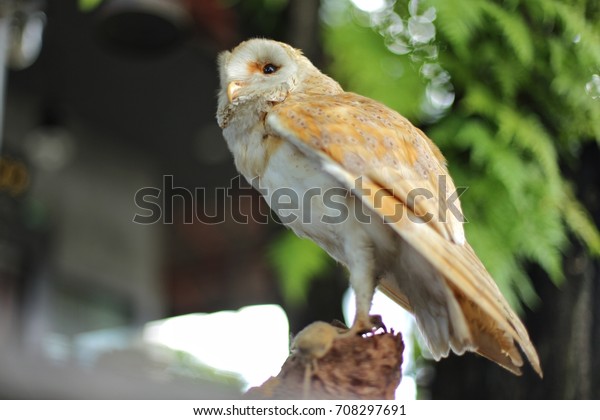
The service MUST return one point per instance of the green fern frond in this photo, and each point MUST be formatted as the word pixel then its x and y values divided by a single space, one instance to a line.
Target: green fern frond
pixel 496 256
pixel 510 170
pixel 514 30
pixel 458 21
pixel 509 77
pixel 539 248
pixel 580 222
pixel 576 25
pixel 527 133
pixel 479 99
pixel 523 288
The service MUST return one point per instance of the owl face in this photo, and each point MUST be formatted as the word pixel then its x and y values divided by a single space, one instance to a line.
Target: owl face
pixel 257 68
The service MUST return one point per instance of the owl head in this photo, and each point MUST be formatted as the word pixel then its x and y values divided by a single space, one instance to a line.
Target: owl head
pixel 267 71
pixel 259 68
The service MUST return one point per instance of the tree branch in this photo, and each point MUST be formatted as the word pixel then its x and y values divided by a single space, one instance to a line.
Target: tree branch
pixel 325 364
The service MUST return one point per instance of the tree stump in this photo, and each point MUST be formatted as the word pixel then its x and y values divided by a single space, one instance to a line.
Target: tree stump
pixel 326 363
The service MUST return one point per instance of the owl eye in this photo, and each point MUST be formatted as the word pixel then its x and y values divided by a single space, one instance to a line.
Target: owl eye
pixel 270 68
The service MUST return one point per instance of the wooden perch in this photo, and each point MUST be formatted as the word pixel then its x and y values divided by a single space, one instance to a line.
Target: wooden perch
pixel 325 363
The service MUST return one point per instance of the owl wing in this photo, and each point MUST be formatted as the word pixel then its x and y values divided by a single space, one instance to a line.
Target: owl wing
pixel 399 173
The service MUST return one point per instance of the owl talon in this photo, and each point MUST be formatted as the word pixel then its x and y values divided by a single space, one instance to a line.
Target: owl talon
pixel 366 326
pixel 377 323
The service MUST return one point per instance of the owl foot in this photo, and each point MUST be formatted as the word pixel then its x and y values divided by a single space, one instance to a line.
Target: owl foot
pixel 314 341
pixel 366 325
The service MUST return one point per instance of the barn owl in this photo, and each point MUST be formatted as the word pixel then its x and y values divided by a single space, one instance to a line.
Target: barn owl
pixel 294 131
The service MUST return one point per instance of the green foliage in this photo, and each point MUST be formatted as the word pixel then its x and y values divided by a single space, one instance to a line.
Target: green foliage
pixel 88 5
pixel 372 70
pixel 520 70
pixel 297 262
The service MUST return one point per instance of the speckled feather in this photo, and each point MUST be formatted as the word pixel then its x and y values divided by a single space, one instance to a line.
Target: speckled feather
pixel 370 140
pixel 297 128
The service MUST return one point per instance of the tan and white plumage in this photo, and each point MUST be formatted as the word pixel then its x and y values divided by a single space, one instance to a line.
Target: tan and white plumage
pixel 289 125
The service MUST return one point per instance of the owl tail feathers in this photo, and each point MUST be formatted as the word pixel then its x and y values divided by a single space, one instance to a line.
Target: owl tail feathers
pixel 444 326
pixel 493 342
pixel 460 325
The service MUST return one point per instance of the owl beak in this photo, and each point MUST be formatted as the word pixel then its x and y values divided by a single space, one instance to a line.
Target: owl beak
pixel 232 90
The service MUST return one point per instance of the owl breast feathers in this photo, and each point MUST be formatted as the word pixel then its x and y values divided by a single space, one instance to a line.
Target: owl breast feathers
pixel 397 221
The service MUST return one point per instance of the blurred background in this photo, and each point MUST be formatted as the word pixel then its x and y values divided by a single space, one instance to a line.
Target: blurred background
pixel 108 112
